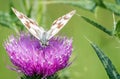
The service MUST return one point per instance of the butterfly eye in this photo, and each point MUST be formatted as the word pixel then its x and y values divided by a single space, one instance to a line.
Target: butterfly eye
pixel 45 44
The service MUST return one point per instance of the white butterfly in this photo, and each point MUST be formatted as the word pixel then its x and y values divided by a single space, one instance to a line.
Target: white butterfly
pixel 39 32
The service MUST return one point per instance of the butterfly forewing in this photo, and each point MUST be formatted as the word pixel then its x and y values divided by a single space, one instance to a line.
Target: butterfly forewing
pixel 59 23
pixel 30 24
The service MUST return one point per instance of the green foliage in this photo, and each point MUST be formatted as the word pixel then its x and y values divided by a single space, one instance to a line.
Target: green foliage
pixel 109 67
pixel 99 3
pixel 31 77
pixel 85 4
pixel 9 20
pixel 55 76
pixel 113 7
pixel 33 9
pixel 91 5
pixel 117 30
pixel 117 2
pixel 95 24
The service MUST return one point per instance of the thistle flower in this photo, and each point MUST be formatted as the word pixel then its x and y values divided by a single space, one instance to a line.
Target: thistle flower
pixel 27 54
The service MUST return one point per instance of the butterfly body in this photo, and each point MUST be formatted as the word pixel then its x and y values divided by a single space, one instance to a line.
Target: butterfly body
pixel 44 40
pixel 39 32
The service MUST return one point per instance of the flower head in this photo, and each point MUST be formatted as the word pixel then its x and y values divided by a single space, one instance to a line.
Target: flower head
pixel 27 54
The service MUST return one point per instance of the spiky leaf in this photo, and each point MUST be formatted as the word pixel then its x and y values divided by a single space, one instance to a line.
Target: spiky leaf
pixel 97 25
pixel 117 29
pixel 109 67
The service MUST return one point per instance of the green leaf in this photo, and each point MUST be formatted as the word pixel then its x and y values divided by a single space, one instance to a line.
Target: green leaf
pixel 31 77
pixel 113 7
pixel 25 5
pixel 9 21
pixel 117 2
pixel 85 4
pixel 109 67
pixel 10 10
pixel 5 20
pixel 100 3
pixel 55 76
pixel 117 29
pixel 92 4
pixel 36 12
pixel 33 9
pixel 95 24
pixel 39 13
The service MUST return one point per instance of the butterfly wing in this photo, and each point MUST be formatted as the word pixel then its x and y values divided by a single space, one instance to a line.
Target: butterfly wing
pixel 31 25
pixel 59 23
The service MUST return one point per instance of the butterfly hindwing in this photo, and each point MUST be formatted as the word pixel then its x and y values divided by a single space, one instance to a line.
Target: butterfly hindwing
pixel 31 25
pixel 59 23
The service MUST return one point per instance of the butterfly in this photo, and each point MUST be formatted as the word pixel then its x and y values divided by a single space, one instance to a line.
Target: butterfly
pixel 39 32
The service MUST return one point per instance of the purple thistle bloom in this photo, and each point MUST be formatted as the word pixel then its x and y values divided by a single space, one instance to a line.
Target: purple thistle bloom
pixel 27 54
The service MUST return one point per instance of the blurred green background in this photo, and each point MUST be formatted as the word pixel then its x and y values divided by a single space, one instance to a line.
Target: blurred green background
pixel 86 65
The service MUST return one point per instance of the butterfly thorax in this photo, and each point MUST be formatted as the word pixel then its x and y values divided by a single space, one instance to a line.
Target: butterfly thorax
pixel 44 40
